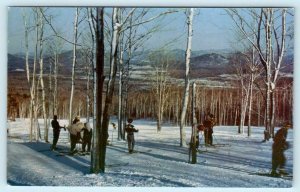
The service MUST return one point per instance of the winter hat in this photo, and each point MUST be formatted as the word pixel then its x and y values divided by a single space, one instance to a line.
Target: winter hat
pixel 87 126
pixel 287 125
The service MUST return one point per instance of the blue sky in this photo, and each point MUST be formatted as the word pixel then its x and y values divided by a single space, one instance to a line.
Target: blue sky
pixel 212 28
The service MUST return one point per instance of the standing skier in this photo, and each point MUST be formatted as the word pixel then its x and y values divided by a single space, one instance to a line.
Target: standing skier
pixel 75 130
pixel 279 146
pixel 87 137
pixel 130 135
pixel 56 130
pixel 209 123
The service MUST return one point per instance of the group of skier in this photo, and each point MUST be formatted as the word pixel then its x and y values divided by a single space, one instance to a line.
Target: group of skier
pixel 78 127
pixel 207 128
pixel 75 130
pixel 279 145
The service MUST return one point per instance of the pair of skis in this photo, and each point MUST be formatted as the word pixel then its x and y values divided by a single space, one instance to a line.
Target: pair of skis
pixel 265 174
pixel 283 176
pixel 146 151
pixel 76 153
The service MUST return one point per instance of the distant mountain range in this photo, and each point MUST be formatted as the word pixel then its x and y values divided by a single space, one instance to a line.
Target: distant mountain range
pixel 203 63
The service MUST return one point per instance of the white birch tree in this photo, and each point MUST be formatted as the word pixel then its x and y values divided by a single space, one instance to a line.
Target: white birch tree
pixel 160 64
pixel 41 79
pixel 75 38
pixel 270 43
pixel 187 77
pixel 26 33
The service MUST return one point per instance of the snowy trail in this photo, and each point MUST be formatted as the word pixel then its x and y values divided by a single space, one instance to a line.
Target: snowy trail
pixel 159 163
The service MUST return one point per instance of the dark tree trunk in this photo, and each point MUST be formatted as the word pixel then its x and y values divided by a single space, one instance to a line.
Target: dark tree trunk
pixel 110 91
pixel 97 165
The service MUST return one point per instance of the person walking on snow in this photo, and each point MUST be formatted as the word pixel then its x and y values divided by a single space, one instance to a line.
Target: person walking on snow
pixel 56 130
pixel 279 146
pixel 130 135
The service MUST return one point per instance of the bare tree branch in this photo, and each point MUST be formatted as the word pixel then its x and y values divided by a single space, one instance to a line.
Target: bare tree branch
pixel 56 33
pixel 148 20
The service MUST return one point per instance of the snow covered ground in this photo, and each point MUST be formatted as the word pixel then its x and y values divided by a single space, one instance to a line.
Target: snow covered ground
pixel 233 162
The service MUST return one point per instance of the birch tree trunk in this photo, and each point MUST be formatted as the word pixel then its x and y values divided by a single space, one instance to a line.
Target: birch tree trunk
pixel 25 18
pixel 253 68
pixel 92 31
pixel 41 79
pixel 55 84
pixel 88 76
pixel 159 84
pixel 126 81
pixel 187 76
pixel 34 102
pixel 194 126
pixel 120 95
pixel 26 31
pixel 270 45
pixel 250 104
pixel 73 65
pixel 50 96
pixel 268 14
pixel 97 39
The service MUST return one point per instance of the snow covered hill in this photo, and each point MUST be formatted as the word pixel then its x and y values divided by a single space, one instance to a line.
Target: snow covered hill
pixel 160 162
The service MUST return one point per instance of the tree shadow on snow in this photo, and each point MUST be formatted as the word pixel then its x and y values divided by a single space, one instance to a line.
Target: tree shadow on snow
pixel 76 162
pixel 166 146
pixel 156 147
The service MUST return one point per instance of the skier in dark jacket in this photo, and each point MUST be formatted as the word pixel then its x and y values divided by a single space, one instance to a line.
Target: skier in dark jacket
pixel 209 123
pixel 130 135
pixel 56 130
pixel 87 137
pixel 279 146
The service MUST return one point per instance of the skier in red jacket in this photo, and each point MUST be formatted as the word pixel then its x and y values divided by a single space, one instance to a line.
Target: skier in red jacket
pixel 209 123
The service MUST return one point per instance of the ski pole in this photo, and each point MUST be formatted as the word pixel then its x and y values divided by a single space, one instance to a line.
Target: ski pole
pixel 215 138
pixel 136 140
pixel 202 136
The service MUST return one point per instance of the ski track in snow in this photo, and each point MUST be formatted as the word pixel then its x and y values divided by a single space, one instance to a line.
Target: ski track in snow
pixel 160 162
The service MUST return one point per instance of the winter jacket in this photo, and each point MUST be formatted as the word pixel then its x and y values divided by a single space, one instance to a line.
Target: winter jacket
pixel 87 135
pixel 208 124
pixel 280 144
pixel 75 128
pixel 55 125
pixel 130 129
pixel 75 121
